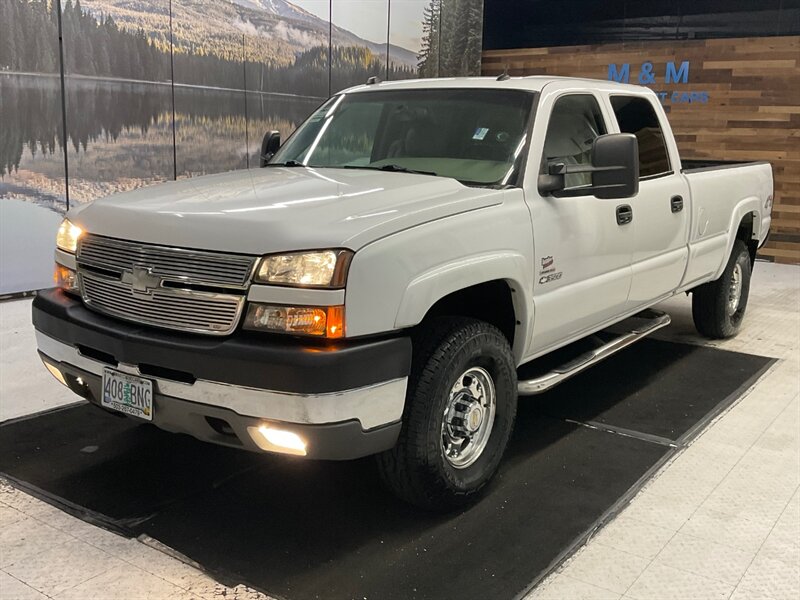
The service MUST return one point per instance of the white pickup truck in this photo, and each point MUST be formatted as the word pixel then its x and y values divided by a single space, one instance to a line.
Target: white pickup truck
pixel 376 286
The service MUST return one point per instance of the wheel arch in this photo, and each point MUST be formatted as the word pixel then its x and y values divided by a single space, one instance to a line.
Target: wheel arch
pixel 745 225
pixel 488 288
pixel 748 232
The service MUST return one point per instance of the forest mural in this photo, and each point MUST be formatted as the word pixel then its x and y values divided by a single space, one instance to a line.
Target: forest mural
pixel 452 38
pixel 159 89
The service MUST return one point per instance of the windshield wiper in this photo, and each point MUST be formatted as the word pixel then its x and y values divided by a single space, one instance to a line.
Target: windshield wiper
pixel 391 169
pixel 288 163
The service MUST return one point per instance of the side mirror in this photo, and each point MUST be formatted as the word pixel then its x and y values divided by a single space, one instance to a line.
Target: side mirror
pixel 614 169
pixel 269 146
pixel 615 158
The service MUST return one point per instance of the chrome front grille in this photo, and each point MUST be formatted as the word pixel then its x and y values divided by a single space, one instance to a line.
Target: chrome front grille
pixel 175 288
pixel 201 312
pixel 173 264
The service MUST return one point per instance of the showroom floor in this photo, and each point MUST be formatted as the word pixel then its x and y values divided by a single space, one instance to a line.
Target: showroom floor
pixel 722 520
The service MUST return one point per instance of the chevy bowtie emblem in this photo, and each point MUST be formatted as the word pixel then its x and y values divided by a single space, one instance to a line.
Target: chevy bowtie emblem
pixel 141 279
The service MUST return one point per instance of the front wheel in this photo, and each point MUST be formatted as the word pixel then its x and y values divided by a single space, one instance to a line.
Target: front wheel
pixel 460 409
pixel 718 306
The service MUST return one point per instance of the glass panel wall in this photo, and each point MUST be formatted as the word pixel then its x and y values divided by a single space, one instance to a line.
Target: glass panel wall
pixel 118 97
pixel 414 38
pixel 287 74
pixel 209 46
pixel 360 35
pixel 241 68
pixel 32 183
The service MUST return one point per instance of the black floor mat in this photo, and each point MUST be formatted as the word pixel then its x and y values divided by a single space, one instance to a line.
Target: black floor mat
pixel 300 529
pixel 657 388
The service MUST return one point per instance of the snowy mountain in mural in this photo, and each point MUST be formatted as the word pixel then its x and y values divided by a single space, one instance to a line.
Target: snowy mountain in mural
pixel 276 30
pixel 281 8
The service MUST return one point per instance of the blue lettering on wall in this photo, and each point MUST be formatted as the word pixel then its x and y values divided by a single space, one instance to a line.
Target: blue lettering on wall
pixel 679 76
pixel 647 74
pixel 688 98
pixel 622 75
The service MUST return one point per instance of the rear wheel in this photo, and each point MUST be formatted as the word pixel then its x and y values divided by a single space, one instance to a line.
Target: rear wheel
pixel 718 306
pixel 460 409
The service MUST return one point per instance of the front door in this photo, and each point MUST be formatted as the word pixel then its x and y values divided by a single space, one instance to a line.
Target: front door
pixel 583 250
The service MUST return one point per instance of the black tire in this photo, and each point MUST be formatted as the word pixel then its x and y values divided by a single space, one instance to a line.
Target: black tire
pixel 416 469
pixel 711 312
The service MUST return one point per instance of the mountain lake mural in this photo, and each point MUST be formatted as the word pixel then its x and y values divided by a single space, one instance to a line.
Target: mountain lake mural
pixel 159 89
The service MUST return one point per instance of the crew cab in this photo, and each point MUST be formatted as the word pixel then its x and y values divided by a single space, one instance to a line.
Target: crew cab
pixel 379 285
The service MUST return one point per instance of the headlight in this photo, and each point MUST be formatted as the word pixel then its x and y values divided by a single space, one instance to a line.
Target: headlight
pixel 322 268
pixel 327 321
pixel 67 236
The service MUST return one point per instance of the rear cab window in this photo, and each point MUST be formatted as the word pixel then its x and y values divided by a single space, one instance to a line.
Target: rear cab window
pixel 636 115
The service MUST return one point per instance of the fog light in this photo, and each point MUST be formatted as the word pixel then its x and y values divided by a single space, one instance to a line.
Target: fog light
pixel 55 372
pixel 277 440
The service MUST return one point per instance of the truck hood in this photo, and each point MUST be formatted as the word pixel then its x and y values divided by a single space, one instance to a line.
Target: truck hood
pixel 280 209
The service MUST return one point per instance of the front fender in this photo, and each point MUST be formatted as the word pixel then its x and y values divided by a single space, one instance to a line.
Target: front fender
pixel 394 281
pixel 434 284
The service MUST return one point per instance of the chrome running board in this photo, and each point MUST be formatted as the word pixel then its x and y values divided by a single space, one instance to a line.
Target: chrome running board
pixel 648 322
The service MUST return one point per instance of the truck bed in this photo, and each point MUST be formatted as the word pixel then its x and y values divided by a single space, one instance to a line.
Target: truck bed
pixel 722 194
pixel 694 165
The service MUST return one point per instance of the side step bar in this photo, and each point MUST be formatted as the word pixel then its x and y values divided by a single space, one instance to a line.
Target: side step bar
pixel 648 321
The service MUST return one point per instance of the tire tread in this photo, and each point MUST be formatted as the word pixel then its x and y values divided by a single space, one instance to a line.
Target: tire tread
pixel 709 301
pixel 402 468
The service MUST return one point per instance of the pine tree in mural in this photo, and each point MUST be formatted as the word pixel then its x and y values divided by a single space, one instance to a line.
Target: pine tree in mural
pixel 452 33
pixel 7 48
pixel 28 36
pixel 429 52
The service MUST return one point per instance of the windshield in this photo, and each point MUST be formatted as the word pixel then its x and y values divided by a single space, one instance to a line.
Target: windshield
pixel 474 135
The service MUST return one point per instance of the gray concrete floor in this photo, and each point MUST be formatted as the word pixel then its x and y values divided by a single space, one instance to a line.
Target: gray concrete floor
pixel 722 520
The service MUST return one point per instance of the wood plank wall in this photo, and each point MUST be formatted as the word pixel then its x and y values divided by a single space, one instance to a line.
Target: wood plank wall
pixel 752 111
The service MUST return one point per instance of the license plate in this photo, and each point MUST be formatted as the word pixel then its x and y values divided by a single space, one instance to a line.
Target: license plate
pixel 128 394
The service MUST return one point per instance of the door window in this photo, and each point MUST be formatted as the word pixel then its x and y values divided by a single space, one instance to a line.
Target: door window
pixel 575 122
pixel 637 116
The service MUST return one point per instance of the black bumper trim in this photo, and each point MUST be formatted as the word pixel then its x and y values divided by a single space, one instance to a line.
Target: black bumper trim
pixel 244 359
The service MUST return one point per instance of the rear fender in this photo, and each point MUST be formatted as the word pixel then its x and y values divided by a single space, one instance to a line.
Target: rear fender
pixel 749 205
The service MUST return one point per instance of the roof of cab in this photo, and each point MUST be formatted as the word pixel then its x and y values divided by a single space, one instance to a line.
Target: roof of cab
pixel 533 83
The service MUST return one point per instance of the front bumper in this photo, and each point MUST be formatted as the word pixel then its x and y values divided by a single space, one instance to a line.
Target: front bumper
pixel 344 399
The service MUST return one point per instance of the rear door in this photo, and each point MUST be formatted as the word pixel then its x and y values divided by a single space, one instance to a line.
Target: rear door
pixel 582 268
pixel 661 210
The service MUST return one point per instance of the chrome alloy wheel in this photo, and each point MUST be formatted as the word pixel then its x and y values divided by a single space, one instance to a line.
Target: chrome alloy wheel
pixel 735 289
pixel 468 417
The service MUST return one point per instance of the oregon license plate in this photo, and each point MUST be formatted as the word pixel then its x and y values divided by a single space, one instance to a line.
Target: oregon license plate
pixel 128 394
